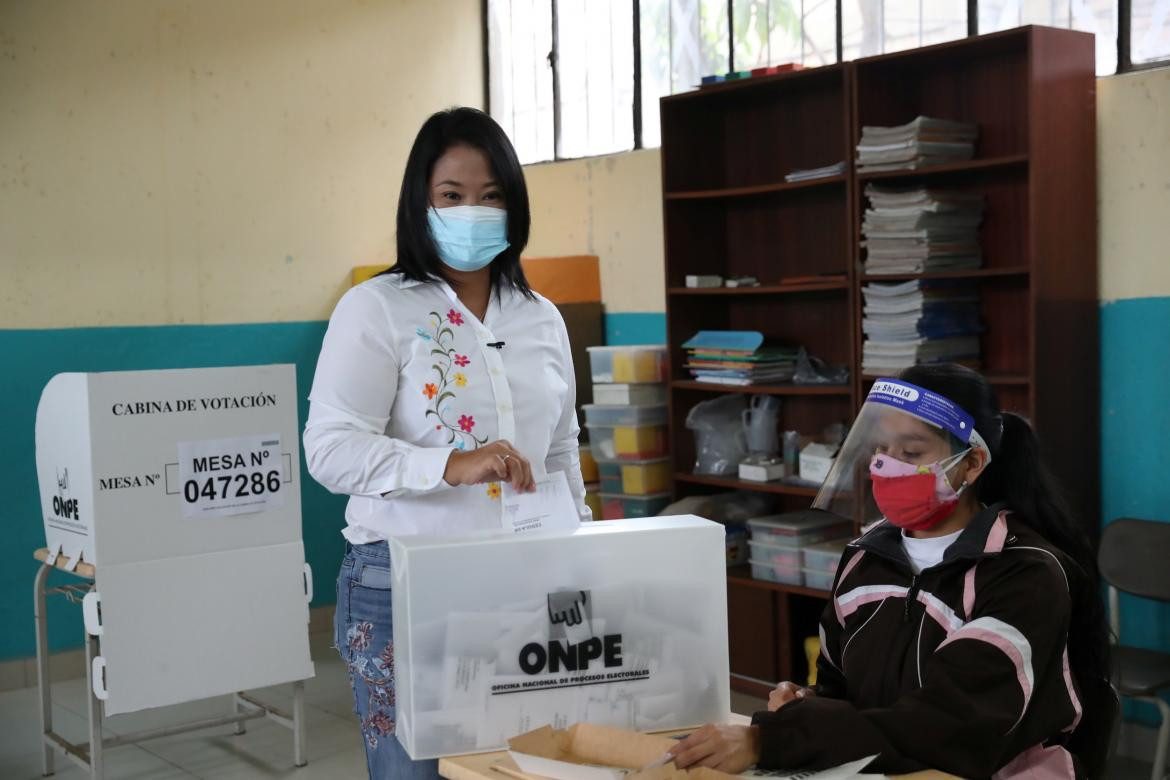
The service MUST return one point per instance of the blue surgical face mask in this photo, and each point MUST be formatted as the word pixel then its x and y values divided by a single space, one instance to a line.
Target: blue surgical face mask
pixel 468 237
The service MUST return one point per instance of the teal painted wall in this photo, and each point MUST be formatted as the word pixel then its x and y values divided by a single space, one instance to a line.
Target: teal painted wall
pixel 1135 446
pixel 34 356
pixel 637 327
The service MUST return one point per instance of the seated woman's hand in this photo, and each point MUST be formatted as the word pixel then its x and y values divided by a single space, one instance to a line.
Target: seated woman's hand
pixel 787 692
pixel 731 749
pixel 495 462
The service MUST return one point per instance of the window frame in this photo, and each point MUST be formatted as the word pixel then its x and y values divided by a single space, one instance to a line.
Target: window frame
pixel 1125 62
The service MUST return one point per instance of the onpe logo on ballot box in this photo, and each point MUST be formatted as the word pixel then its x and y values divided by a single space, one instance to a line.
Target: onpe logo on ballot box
pixel 572 647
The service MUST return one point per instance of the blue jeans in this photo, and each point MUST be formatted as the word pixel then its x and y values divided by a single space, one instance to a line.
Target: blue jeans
pixel 363 633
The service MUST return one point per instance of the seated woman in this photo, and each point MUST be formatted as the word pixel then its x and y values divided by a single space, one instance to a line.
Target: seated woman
pixel 962 625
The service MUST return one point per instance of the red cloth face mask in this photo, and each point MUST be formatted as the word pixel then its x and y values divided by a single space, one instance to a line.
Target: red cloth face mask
pixel 915 498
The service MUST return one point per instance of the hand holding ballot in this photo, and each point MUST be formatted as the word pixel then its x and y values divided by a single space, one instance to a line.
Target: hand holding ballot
pixel 498 461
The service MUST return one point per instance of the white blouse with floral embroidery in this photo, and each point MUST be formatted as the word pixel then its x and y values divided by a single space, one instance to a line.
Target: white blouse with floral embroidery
pixel 407 375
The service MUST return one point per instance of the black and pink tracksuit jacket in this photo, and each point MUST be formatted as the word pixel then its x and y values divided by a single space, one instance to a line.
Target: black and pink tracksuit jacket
pixel 962 668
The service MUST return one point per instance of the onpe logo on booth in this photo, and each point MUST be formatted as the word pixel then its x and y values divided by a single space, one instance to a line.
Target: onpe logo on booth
pixel 572 646
pixel 63 505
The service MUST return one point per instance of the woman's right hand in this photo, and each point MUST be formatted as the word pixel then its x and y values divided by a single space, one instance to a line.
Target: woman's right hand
pixel 787 692
pixel 495 462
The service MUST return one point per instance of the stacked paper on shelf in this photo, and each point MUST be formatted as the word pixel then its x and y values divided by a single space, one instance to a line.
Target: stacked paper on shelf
pixel 908 231
pixel 918 144
pixel 732 357
pixel 919 322
pixel 836 169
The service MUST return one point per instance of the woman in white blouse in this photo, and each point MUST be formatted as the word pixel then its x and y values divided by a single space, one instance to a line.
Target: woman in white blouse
pixel 439 381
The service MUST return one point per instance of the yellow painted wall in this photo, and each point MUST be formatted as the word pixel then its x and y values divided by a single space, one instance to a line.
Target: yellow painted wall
pixel 1133 158
pixel 211 161
pixel 610 207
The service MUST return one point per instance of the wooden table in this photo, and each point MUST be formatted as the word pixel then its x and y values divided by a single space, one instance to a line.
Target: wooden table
pixel 479 765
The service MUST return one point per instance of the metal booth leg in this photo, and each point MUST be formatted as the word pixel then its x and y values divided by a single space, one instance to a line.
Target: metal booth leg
pixel 237 709
pixel 95 713
pixel 299 723
pixel 43 686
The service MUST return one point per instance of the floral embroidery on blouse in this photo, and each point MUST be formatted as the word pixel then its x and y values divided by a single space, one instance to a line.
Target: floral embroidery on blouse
pixel 440 393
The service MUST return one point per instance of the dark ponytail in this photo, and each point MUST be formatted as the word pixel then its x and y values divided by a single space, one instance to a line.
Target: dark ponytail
pixel 1019 477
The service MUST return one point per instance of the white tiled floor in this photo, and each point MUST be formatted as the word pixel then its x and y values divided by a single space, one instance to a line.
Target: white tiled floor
pixel 334 748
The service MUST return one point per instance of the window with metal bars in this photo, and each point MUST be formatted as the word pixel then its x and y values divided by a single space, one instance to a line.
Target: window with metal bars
pixel 576 78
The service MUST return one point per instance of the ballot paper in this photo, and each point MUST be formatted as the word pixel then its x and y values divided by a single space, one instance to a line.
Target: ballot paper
pixel 588 751
pixel 843 772
pixel 550 509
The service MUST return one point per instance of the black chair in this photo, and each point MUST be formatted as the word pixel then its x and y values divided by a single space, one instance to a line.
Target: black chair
pixel 1133 559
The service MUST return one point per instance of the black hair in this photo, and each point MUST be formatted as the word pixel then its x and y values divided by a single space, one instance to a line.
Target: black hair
pixel 1019 477
pixel 418 258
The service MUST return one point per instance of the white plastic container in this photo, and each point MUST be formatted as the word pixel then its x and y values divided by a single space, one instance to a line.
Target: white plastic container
pixel 785 575
pixel 622 507
pixel 628 442
pixel 642 602
pixel 596 414
pixel 777 554
pixel 627 394
pixel 821 580
pixel 798 529
pixel 825 556
pixel 628 364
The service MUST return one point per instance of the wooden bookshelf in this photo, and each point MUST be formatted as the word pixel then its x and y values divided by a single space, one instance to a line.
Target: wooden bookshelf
pixel 727 210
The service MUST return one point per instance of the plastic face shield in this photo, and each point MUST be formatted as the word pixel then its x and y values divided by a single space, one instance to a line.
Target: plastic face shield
pixel 904 421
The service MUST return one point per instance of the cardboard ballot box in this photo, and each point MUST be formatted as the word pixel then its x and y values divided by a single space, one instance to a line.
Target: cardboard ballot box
pixel 622 623
pixel 182 487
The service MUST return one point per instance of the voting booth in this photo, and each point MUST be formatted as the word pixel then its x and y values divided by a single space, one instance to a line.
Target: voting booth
pixel 182 489
pixel 621 623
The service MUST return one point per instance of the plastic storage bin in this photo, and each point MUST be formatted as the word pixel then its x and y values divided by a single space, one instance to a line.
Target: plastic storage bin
pixel 626 395
pixel 821 580
pixel 593 501
pixel 641 478
pixel 798 529
pixel 628 442
pixel 769 572
pixel 621 507
pixel 611 476
pixel 777 554
pixel 623 365
pixel 624 415
pixel 825 556
pixel 737 545
pixel 588 465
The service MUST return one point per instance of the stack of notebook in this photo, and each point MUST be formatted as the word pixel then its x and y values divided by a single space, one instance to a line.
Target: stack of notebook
pixel 908 231
pixel 729 357
pixel 919 144
pixel 919 322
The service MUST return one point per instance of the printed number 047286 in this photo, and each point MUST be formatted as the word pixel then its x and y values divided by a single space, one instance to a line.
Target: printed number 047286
pixel 236 485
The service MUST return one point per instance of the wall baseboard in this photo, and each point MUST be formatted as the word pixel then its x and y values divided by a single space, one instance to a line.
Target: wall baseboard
pixel 20 673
